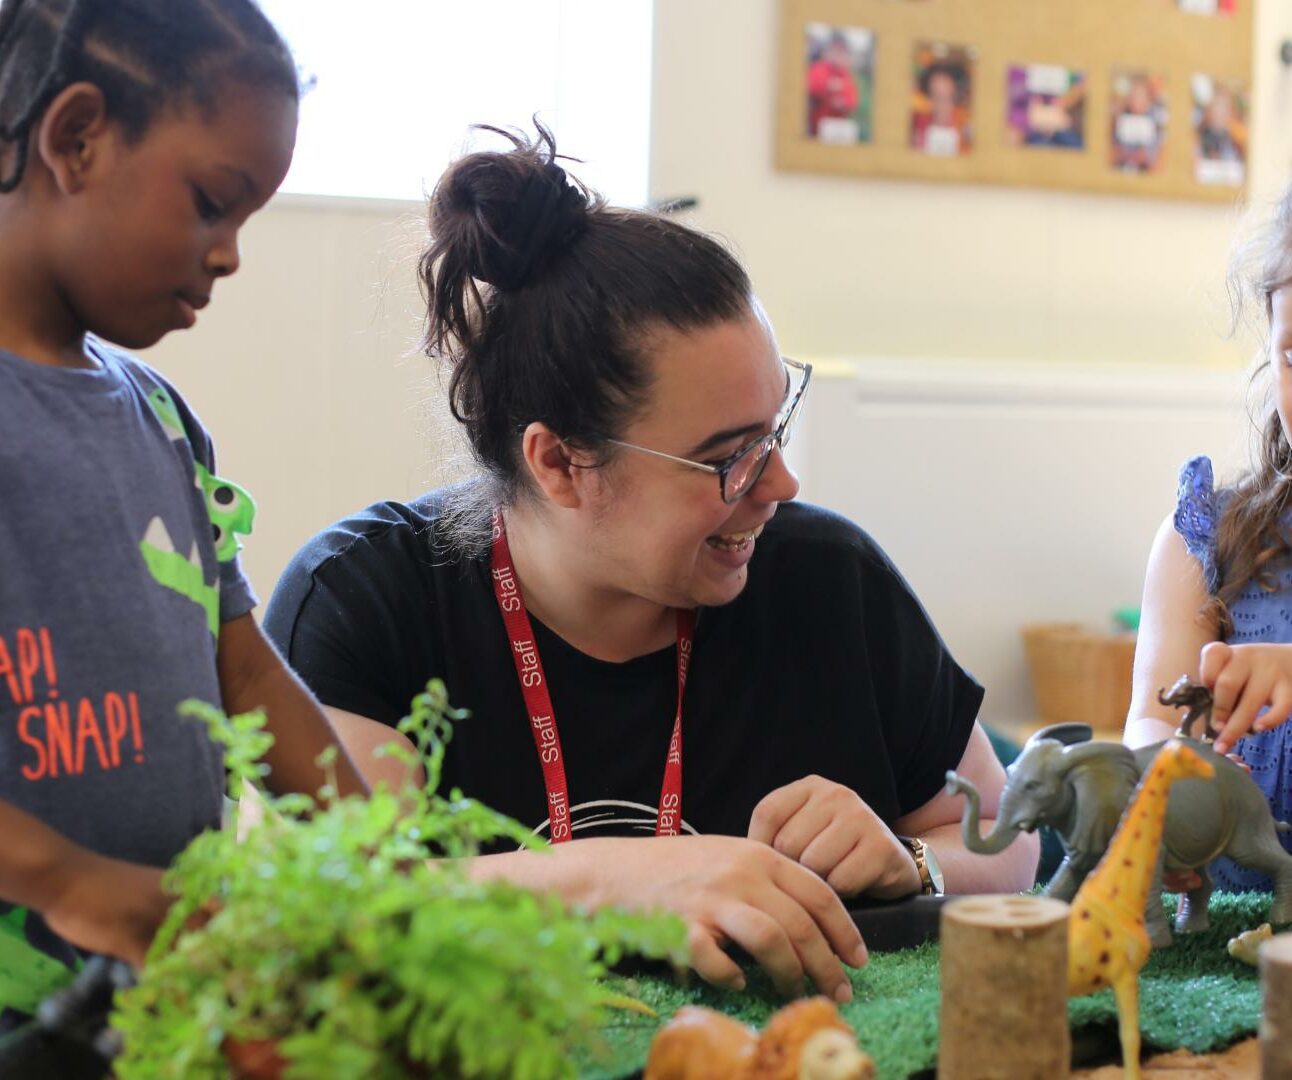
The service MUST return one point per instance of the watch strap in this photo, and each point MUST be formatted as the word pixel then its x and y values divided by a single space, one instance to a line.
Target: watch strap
pixel 919 853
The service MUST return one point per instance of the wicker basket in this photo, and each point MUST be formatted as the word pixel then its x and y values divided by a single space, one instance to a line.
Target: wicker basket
pixel 1078 675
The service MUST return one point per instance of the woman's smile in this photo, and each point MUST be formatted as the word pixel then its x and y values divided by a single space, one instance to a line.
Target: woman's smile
pixel 736 541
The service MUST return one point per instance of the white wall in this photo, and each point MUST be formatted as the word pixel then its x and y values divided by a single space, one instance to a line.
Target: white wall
pixel 1013 493
pixel 307 372
pixel 1015 375
pixel 871 268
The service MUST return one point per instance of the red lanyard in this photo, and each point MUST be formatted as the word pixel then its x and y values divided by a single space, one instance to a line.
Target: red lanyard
pixel 538 701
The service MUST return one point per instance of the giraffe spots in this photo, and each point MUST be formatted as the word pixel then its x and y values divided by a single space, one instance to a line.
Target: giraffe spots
pixel 1085 914
pixel 1108 934
pixel 1104 957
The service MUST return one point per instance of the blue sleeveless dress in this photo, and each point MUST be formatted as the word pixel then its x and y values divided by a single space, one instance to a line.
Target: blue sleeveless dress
pixel 1259 616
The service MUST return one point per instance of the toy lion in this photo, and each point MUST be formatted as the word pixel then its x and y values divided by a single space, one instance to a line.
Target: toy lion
pixel 806 1040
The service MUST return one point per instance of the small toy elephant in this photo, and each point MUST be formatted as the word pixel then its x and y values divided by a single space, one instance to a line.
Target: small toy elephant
pixel 1080 788
pixel 1196 698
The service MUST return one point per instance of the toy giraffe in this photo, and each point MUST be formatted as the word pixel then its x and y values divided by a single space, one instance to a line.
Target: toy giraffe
pixel 1107 939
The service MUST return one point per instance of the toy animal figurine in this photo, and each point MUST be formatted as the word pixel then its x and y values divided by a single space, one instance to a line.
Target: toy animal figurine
pixel 1079 788
pixel 1194 697
pixel 1246 947
pixel 1107 938
pixel 806 1040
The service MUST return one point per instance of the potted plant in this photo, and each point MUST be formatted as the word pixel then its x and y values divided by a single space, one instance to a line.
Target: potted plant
pixel 325 943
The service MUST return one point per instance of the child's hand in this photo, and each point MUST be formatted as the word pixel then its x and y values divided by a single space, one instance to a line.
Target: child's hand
pixel 1181 881
pixel 1243 680
pixel 108 906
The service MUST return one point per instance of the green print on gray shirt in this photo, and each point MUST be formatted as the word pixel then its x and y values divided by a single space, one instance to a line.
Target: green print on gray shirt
pixel 112 594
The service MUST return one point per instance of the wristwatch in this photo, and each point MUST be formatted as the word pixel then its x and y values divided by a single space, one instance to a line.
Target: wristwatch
pixel 926 862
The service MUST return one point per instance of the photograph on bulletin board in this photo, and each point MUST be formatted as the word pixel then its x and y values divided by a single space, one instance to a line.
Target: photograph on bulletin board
pixel 1219 131
pixel 840 78
pixel 1144 98
pixel 1208 7
pixel 1045 106
pixel 942 99
pixel 1137 134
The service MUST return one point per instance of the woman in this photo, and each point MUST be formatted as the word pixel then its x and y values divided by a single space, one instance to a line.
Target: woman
pixel 623 392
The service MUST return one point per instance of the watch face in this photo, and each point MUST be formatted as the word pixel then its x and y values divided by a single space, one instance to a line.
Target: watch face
pixel 935 871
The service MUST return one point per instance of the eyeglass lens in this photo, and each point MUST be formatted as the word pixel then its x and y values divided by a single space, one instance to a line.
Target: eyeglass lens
pixel 745 470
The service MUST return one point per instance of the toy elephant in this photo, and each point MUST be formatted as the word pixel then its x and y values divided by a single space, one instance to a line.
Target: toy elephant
pixel 1080 788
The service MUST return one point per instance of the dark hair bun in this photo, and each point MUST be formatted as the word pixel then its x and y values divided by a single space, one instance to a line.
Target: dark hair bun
pixel 563 336
pixel 513 212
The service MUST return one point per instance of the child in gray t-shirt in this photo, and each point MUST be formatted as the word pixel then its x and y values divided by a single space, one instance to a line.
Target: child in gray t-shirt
pixel 135 141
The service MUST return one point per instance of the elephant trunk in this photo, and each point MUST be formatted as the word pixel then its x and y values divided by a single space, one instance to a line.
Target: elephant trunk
pixel 1001 835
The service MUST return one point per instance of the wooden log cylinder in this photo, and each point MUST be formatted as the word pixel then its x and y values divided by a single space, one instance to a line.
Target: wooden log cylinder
pixel 1004 989
pixel 1276 1008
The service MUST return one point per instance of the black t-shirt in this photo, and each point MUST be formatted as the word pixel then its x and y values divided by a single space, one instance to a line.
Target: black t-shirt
pixel 826 663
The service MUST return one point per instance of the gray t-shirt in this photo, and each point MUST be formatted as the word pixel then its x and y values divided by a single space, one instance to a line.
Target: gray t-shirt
pixel 111 598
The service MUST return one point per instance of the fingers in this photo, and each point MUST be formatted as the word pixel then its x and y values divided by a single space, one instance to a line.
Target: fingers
pixel 732 889
pixel 712 964
pixel 1180 881
pixel 823 822
pixel 776 808
pixel 1212 661
pixel 809 824
pixel 1226 684
pixel 827 911
pixel 1247 692
pixel 1245 679
pixel 827 849
pixel 788 945
pixel 763 937
pixel 1280 708
pixel 853 874
pixel 854 861
pixel 796 927
pixel 877 869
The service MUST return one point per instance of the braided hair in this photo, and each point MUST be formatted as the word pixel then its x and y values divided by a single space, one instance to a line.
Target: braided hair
pixel 144 55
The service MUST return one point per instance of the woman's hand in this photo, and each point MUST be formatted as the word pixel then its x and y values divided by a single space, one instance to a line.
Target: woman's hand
pixel 726 888
pixel 827 827
pixel 1244 679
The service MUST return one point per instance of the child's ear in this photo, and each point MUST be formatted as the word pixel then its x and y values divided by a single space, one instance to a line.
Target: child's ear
pixel 69 134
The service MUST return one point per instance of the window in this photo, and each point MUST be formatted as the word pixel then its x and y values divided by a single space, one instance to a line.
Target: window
pixel 399 82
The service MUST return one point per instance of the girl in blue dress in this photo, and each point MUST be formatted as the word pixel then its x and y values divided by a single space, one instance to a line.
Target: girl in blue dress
pixel 1218 591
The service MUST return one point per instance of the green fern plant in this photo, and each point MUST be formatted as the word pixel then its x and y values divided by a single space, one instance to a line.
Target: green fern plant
pixel 332 938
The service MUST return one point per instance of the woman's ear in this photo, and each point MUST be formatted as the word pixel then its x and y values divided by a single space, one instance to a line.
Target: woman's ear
pixel 70 134
pixel 551 462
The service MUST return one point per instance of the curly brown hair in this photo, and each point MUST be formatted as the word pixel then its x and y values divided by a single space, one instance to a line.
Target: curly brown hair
pixel 1252 536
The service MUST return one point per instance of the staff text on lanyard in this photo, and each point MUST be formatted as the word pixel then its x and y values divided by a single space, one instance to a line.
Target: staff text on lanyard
pixel 538 700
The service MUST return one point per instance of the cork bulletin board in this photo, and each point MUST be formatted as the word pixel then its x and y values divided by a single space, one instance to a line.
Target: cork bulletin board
pixel 1146 97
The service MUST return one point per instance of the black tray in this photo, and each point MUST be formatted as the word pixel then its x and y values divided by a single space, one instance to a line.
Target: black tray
pixel 890 925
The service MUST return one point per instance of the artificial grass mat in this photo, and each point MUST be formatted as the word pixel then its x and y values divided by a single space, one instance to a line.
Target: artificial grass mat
pixel 1192 995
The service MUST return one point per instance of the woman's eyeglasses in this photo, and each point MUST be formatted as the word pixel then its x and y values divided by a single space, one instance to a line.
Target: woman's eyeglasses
pixel 741 471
